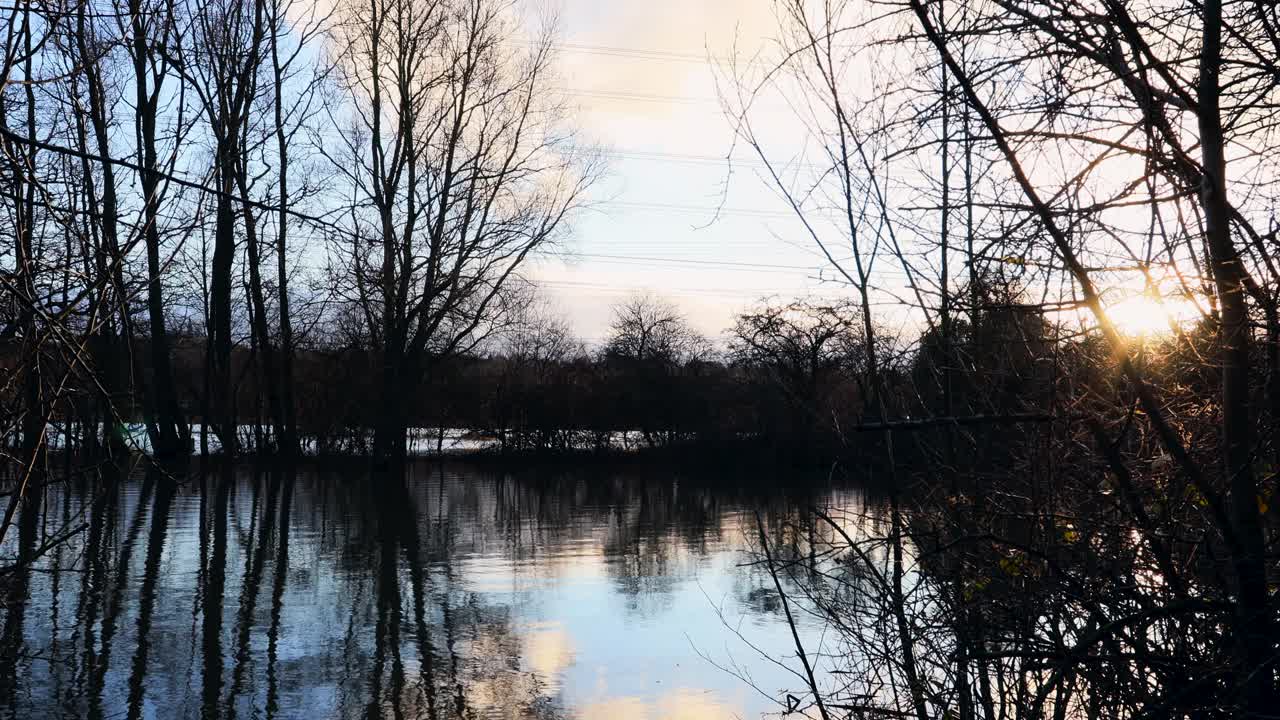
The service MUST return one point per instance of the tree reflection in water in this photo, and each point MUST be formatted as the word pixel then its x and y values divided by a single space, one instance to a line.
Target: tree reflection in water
pixel 444 592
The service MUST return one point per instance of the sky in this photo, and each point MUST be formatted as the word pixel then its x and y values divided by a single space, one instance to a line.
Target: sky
pixel 642 76
pixel 646 77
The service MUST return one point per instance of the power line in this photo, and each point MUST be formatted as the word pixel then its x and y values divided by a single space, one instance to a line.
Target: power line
pixel 722 160
pixel 658 156
pixel 701 209
pixel 692 264
pixel 640 97
pixel 726 263
pixel 167 176
pixel 649 54
pixel 655 261
pixel 614 290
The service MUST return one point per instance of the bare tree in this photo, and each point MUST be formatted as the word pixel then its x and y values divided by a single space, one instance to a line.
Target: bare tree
pixel 650 344
pixel 1122 147
pixel 649 329
pixel 288 119
pixel 803 348
pixel 222 62
pixel 148 29
pixel 458 167
pixel 531 404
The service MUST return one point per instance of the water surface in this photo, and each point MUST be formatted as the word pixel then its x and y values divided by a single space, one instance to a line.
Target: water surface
pixel 453 591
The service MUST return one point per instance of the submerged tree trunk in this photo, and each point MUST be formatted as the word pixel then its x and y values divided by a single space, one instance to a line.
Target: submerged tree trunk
pixel 288 439
pixel 270 384
pixel 221 402
pixel 170 435
pixel 391 428
pixel 113 352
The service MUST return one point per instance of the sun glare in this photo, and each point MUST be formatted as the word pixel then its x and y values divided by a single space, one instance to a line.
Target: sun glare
pixel 1142 315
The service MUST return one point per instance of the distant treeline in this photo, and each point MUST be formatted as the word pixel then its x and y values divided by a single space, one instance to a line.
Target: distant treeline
pixel 789 379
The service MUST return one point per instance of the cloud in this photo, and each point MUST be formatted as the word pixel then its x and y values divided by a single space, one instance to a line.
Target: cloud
pixel 548 651
pixel 654 49
pixel 680 704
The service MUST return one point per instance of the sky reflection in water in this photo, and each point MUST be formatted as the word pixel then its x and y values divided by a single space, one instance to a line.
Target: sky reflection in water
pixel 458 592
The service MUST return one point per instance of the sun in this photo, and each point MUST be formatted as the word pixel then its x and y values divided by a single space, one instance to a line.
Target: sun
pixel 1143 315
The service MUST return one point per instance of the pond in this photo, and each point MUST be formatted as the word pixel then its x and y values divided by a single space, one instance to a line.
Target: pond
pixel 455 590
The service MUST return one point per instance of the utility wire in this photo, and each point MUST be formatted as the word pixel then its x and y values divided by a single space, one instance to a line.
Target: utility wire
pixel 14 137
pixel 727 263
pixel 704 209
pixel 648 54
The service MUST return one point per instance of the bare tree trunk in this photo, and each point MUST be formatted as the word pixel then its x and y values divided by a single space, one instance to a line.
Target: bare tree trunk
pixel 442 220
pixel 288 439
pixel 222 404
pixel 171 436
pixel 35 407
pixel 224 72
pixel 1254 614
pixel 258 312
pixel 112 352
